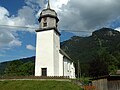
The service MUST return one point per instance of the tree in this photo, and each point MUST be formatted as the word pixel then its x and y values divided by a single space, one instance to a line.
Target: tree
pixel 117 55
pixel 27 69
pixel 12 68
pixel 98 67
pixel 18 68
pixel 103 63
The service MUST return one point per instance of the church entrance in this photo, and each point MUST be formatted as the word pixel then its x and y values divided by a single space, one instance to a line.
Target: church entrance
pixel 44 71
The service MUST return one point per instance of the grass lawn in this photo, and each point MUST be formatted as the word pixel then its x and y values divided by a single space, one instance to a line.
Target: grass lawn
pixel 37 85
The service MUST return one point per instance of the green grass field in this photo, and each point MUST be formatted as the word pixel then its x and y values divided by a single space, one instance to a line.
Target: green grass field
pixel 37 85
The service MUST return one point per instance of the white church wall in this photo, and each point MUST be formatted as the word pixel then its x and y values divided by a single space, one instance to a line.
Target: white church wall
pixel 72 70
pixel 66 67
pixel 44 53
pixel 69 69
pixel 61 67
pixel 56 53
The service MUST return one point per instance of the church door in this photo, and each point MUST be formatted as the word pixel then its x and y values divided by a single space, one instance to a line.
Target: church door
pixel 44 71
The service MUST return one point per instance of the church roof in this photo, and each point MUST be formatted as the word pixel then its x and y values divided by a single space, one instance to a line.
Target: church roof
pixel 48 6
pixel 48 12
pixel 65 54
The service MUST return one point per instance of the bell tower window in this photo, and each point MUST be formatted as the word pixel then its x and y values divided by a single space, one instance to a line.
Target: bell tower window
pixel 45 22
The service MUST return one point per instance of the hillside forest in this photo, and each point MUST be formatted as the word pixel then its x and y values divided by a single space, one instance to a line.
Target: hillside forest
pixel 98 55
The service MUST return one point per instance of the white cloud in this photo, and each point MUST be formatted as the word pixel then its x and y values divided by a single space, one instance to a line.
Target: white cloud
pixel 7 39
pixel 25 17
pixel 75 15
pixel 4 13
pixel 57 4
pixel 30 47
pixel 118 29
pixel 15 42
pixel 83 15
pixel 86 15
pixel 7 34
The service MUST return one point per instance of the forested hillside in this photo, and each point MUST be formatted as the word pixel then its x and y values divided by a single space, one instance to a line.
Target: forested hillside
pixel 101 48
pixel 99 54
pixel 84 48
pixel 20 67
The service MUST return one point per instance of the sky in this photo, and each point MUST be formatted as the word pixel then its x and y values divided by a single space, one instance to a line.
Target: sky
pixel 84 16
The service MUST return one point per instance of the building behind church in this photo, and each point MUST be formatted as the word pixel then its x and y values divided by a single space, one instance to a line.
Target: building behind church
pixel 50 59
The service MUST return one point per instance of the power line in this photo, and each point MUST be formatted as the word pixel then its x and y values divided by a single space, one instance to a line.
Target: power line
pixel 75 30
pixel 28 27
pixel 17 26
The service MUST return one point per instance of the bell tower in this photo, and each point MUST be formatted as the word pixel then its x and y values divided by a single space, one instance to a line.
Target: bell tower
pixel 47 44
pixel 48 19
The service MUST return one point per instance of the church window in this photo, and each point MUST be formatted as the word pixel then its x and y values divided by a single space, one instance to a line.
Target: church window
pixel 44 22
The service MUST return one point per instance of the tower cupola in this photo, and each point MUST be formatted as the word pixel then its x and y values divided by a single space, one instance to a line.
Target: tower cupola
pixel 48 18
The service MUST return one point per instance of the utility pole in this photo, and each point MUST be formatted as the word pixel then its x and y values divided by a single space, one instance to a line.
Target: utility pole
pixel 78 69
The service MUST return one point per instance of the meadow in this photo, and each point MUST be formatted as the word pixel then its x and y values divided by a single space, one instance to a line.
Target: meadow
pixel 37 85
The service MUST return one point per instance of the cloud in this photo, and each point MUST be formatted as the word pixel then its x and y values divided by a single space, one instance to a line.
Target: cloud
pixel 30 47
pixel 118 29
pixel 87 15
pixel 4 13
pixel 84 15
pixel 7 39
pixel 25 17
pixel 57 4
pixel 75 15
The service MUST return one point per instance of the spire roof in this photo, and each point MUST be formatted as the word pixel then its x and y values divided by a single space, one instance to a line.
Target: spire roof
pixel 48 6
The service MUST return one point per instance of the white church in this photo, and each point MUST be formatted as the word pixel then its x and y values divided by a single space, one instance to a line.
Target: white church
pixel 50 59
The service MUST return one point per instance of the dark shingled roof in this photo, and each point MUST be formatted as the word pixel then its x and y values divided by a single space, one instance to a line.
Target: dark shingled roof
pixel 63 53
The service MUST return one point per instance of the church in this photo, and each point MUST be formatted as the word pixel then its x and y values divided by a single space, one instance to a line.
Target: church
pixel 50 59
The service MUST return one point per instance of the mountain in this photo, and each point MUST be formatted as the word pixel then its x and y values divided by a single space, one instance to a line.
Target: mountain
pixel 84 48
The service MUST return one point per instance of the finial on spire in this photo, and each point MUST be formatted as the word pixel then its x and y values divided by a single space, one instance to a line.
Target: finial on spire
pixel 48 7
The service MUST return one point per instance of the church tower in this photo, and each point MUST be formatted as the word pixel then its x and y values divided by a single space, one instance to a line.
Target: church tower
pixel 47 44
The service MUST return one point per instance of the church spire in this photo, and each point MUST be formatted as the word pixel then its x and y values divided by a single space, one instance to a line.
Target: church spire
pixel 48 7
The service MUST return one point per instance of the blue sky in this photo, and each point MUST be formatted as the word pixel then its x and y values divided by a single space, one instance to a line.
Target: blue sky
pixel 74 15
pixel 26 38
pixel 11 6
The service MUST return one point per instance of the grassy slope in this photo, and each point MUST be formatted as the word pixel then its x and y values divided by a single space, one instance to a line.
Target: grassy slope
pixel 37 85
